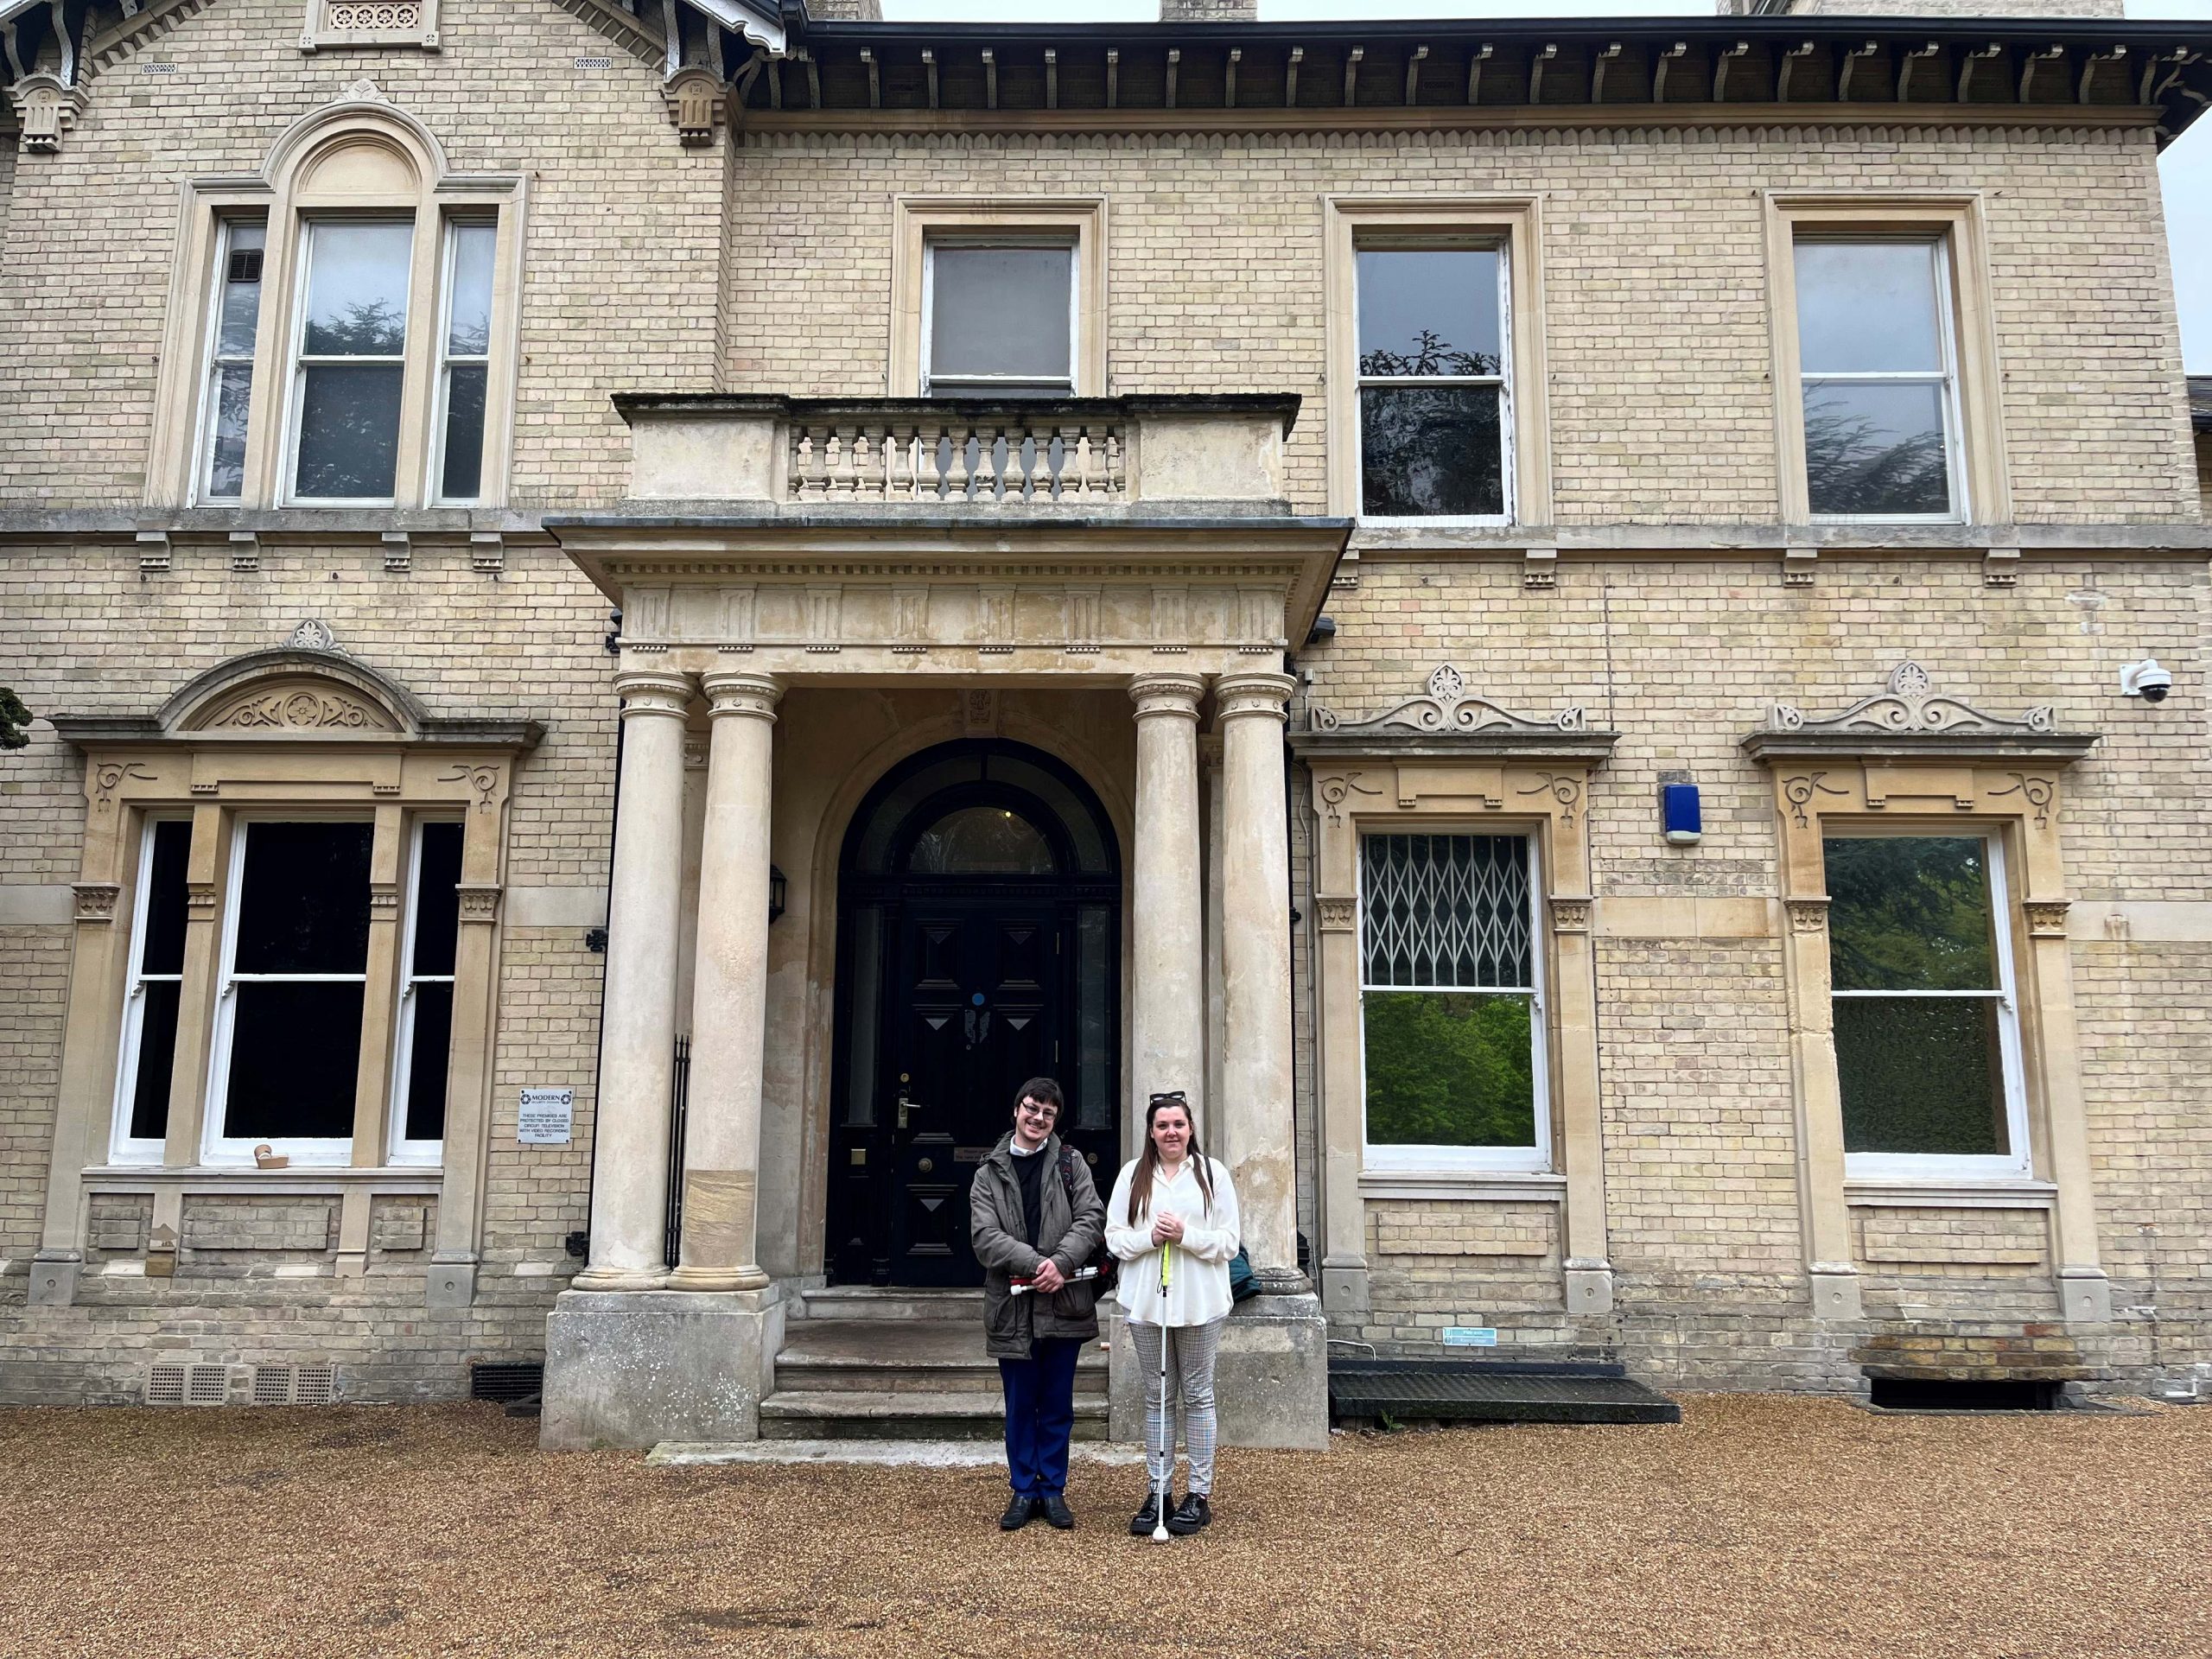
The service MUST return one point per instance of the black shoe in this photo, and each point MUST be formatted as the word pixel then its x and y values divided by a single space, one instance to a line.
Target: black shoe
pixel 1056 1511
pixel 1019 1513
pixel 1193 1517
pixel 1142 1523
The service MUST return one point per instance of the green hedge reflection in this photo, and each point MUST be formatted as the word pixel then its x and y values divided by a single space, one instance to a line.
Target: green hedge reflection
pixel 1449 1069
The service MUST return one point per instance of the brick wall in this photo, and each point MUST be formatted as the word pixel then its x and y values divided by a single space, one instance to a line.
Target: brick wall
pixel 1657 309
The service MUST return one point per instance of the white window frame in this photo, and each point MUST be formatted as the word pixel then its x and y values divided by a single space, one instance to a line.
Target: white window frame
pixel 981 385
pixel 298 363
pixel 216 1149
pixel 1534 1159
pixel 1946 375
pixel 434 481
pixel 1380 241
pixel 1946 1166
pixel 211 369
pixel 123 1148
pixel 402 1151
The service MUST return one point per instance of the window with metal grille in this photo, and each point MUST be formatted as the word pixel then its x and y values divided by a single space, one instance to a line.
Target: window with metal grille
pixel 1451 1009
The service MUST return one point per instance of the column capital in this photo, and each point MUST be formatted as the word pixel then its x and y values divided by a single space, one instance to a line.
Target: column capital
pixel 649 691
pixel 1166 694
pixel 752 695
pixel 1244 695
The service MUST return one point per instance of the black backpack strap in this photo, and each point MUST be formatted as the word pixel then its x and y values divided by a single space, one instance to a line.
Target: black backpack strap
pixel 1067 1172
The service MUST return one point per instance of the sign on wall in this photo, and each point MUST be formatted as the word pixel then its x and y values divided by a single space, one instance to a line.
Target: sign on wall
pixel 546 1117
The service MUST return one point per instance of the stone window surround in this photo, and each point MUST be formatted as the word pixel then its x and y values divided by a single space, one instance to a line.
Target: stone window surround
pixel 372 752
pixel 2004 787
pixel 917 218
pixel 1465 785
pixel 1983 487
pixel 1517 222
pixel 398 166
pixel 317 32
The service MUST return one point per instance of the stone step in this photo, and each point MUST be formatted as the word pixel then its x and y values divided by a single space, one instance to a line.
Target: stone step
pixel 897 1356
pixel 866 1302
pixel 896 1415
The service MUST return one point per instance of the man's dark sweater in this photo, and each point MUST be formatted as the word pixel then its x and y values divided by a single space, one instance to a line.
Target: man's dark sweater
pixel 1029 1174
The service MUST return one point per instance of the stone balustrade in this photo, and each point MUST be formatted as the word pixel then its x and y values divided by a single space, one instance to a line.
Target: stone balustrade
pixel 1087 455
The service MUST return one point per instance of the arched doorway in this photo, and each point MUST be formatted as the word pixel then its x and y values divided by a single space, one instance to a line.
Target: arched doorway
pixel 979 945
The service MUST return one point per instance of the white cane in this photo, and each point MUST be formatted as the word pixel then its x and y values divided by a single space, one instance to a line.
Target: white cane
pixel 1160 1533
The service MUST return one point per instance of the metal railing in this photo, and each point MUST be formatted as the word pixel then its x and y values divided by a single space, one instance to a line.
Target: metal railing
pixel 679 1109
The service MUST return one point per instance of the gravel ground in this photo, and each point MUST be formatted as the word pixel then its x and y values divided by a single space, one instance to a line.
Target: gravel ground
pixel 1762 1526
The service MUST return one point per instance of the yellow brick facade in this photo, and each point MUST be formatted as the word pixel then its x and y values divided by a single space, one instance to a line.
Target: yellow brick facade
pixel 762 263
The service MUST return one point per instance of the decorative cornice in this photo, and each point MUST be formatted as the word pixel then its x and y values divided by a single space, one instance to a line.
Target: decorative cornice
pixel 1910 717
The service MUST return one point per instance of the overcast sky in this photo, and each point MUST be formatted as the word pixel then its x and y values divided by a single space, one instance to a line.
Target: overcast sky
pixel 2187 167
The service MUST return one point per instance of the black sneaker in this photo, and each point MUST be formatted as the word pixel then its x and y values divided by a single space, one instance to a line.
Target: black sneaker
pixel 1056 1511
pixel 1193 1517
pixel 1019 1513
pixel 1143 1522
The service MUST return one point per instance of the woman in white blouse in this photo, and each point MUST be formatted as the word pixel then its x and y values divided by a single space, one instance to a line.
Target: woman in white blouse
pixel 1172 1193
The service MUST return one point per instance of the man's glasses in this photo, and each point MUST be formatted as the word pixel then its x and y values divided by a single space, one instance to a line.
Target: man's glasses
pixel 1030 1108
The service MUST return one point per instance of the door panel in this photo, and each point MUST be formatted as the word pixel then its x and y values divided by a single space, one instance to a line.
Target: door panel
pixel 979 997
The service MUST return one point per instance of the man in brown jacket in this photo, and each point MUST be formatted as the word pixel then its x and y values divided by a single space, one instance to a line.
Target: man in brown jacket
pixel 1035 1218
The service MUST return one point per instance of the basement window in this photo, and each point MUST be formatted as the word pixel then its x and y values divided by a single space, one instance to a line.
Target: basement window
pixel 1986 1394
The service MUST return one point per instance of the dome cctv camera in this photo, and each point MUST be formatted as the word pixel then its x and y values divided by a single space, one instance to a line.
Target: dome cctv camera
pixel 2145 680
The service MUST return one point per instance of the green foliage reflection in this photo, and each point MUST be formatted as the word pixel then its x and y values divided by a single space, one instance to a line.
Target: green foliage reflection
pixel 1448 1069
pixel 1910 913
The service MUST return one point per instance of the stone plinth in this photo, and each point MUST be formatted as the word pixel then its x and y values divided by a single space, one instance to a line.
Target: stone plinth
pixel 1271 1378
pixel 632 1369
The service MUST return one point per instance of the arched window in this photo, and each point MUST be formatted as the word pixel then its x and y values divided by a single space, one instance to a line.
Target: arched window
pixel 982 841
pixel 341 329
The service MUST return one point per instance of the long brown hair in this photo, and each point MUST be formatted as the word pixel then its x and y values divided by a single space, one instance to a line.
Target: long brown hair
pixel 1140 1183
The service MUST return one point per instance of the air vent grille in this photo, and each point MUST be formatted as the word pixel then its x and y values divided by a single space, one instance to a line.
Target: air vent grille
pixel 295 1385
pixel 165 1385
pixel 505 1382
pixel 175 1383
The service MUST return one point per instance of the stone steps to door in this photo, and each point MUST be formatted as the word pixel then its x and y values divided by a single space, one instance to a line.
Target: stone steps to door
pixel 842 1302
pixel 903 1415
pixel 896 1356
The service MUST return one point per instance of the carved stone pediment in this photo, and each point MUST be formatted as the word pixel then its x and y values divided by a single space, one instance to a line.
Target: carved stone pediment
pixel 297 704
pixel 1909 716
pixel 1449 717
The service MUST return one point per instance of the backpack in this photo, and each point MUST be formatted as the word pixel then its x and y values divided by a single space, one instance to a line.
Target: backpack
pixel 1102 1260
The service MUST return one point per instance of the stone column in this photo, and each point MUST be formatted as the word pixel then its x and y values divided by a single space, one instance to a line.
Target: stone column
pixel 1254 1119
pixel 637 1020
pixel 1167 965
pixel 729 993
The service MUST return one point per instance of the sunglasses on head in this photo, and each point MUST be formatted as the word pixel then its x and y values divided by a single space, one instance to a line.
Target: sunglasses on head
pixel 1174 1096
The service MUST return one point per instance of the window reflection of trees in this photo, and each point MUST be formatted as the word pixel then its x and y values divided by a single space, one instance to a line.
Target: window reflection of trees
pixel 1853 464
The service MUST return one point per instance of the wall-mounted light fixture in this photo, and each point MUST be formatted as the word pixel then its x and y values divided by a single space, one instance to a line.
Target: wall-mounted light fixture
pixel 779 890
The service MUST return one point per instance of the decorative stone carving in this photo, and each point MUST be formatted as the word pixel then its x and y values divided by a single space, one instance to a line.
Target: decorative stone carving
pixel 1336 915
pixel 313 634
pixel 1567 791
pixel 480 901
pixel 1799 793
pixel 482 776
pixel 1911 704
pixel 363 91
pixel 1570 915
pixel 300 707
pixel 2047 917
pixel 698 104
pixel 1334 789
pixel 96 900
pixel 47 108
pixel 1446 707
pixel 109 775
pixel 200 898
pixel 1807 915
pixel 384 901
pixel 2039 793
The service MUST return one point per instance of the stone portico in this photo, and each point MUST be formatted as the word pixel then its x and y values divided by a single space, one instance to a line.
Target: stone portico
pixel 944 570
